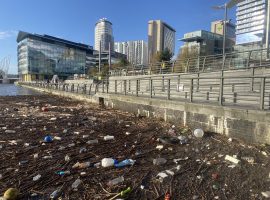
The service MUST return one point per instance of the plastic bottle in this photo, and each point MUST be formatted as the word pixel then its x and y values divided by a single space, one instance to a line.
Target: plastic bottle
pixel 76 184
pixel 81 165
pixel 47 157
pixel 57 138
pixel 159 161
pixel 55 194
pixel 48 139
pixel 62 173
pixel 71 145
pixel 37 177
pixel 82 150
pixel 97 165
pixel 92 141
pixel 107 162
pixel 116 181
pixel 125 163
pixel 108 137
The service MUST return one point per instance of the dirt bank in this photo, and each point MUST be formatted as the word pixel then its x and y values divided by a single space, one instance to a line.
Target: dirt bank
pixel 201 171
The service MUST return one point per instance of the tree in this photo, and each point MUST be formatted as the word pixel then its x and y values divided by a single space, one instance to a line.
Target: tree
pixel 165 55
pixel 185 53
pixel 161 59
pixel 122 63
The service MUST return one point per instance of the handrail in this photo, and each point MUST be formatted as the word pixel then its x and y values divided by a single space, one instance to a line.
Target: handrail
pixel 243 90
pixel 218 62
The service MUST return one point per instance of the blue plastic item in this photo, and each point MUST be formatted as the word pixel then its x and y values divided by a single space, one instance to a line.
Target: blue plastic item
pixel 48 139
pixel 124 163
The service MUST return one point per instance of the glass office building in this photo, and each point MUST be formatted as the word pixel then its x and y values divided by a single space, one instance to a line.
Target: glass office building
pixel 42 56
pixel 251 22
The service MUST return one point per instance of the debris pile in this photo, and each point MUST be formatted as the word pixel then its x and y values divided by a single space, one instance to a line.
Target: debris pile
pixel 55 148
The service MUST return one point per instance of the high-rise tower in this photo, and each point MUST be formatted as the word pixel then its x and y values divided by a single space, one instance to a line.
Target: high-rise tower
pixel 104 35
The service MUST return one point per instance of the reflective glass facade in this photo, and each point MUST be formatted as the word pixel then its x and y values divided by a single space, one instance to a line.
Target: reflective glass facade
pixel 42 57
pixel 251 21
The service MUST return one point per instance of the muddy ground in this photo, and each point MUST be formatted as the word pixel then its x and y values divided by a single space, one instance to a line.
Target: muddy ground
pixel 201 171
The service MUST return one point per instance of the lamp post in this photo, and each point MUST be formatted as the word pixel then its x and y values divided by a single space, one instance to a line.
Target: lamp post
pixel 225 7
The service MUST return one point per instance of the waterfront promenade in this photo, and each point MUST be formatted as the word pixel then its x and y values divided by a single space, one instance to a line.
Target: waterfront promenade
pixel 197 167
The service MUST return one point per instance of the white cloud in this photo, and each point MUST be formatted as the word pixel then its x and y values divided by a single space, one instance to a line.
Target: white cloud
pixel 7 34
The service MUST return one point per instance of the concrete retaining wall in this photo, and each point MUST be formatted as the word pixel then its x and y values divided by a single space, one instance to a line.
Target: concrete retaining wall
pixel 249 125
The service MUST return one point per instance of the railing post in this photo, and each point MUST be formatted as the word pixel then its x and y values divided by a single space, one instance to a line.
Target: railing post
pixel 107 84
pixel 261 57
pixel 224 61
pixel 221 87
pixel 187 67
pixel 169 89
pixel 72 87
pixel 137 87
pixel 191 90
pixel 198 83
pixel 204 63
pixel 115 86
pixel 151 88
pixel 85 88
pixel 90 88
pixel 252 79
pixel 163 84
pixel 262 93
pixel 103 86
pixel 178 84
pixel 248 61
pixel 173 66
pixel 125 87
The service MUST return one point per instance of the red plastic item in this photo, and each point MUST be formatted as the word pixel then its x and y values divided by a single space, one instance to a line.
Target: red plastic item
pixel 44 109
pixel 167 196
pixel 215 176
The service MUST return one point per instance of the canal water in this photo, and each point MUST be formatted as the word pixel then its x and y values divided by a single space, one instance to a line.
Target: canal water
pixel 13 90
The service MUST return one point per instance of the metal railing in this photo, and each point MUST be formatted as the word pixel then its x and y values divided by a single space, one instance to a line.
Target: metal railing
pixel 243 91
pixel 230 61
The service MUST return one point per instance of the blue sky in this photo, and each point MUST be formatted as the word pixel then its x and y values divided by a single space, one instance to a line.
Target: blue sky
pixel 75 19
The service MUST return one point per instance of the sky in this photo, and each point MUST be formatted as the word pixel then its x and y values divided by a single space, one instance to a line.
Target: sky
pixel 75 19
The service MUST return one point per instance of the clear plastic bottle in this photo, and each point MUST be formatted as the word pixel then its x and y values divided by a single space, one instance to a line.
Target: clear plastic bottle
pixel 37 177
pixel 159 161
pixel 108 137
pixel 62 173
pixel 92 141
pixel 79 165
pixel 55 194
pixel 116 181
pixel 76 184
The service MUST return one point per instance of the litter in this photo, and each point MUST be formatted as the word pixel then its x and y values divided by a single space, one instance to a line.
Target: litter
pixel 232 159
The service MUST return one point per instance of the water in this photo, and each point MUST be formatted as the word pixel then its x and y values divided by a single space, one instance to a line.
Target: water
pixel 13 90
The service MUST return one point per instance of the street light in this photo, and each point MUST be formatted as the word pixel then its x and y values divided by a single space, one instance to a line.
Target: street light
pixel 226 6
